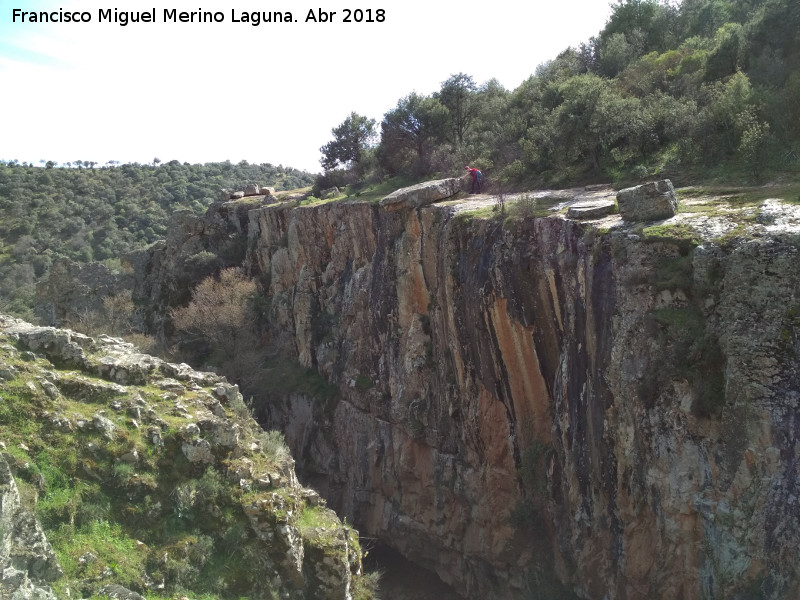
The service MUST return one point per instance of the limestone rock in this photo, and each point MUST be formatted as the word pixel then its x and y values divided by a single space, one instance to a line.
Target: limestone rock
pixel 421 194
pixel 104 426
pixel 185 415
pixel 198 451
pixel 648 202
pixel 118 592
pixel 60 345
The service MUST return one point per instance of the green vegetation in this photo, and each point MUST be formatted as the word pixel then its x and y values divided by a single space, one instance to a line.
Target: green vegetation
pixel 701 89
pixel 679 233
pixel 100 213
pixel 363 382
pixel 350 144
pixel 129 507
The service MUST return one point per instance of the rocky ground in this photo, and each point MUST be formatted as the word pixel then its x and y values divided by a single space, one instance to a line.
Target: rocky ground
pixel 149 478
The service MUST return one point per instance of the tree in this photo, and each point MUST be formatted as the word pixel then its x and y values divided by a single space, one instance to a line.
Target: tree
pixel 457 95
pixel 221 311
pixel 728 54
pixel 409 133
pixel 350 140
pixel 593 118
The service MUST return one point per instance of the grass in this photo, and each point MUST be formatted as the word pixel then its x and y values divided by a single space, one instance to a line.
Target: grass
pixel 112 521
pixel 680 233
pixel 375 192
pixel 740 197
pixel 111 547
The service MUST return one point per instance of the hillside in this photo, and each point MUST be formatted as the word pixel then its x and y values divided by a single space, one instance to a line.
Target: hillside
pixel 150 479
pixel 90 213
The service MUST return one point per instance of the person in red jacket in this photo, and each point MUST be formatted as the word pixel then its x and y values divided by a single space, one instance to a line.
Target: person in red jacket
pixel 477 180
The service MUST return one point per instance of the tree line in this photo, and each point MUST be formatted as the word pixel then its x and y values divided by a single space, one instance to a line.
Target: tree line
pixel 701 88
pixel 98 214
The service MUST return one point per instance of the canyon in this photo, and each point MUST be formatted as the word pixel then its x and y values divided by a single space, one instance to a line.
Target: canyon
pixel 535 406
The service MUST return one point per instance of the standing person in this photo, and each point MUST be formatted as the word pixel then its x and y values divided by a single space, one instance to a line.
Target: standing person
pixel 477 180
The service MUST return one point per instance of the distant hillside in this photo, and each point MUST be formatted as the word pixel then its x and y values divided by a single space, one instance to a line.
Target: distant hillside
pixel 99 213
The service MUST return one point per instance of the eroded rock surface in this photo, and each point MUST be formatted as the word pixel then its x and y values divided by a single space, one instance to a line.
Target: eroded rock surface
pixel 28 564
pixel 142 432
pixel 547 406
pixel 422 194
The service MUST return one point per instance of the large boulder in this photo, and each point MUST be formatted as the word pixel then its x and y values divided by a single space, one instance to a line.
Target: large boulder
pixel 591 210
pixel 421 194
pixel 252 189
pixel 648 202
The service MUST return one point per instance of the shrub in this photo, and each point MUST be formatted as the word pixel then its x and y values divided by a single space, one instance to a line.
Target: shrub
pixel 523 207
pixel 222 313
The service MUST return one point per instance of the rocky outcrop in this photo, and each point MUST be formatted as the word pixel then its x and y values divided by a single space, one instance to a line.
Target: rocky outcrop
pixel 545 400
pixel 28 565
pixel 149 448
pixel 591 210
pixel 553 405
pixel 251 189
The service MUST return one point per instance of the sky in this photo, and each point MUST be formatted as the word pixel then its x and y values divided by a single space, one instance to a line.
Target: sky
pixel 206 92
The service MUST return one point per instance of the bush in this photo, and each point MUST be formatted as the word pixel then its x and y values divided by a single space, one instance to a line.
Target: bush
pixel 222 313
pixel 523 207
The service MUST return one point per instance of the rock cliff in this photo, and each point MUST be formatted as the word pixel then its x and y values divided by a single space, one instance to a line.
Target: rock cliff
pixel 540 406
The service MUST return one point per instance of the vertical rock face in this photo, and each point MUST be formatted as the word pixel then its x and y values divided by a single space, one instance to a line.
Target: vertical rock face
pixel 28 564
pixel 544 406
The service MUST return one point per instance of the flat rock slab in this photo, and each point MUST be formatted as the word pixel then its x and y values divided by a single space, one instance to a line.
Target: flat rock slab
pixel 591 210
pixel 421 194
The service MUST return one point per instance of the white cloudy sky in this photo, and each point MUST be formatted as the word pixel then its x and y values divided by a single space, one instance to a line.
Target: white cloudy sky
pixel 226 91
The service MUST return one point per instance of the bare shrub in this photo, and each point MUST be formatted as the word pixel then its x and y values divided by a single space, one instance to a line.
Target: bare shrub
pixel 221 312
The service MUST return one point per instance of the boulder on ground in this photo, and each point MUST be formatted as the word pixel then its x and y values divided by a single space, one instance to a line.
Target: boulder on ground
pixel 648 202
pixel 421 194
pixel 252 189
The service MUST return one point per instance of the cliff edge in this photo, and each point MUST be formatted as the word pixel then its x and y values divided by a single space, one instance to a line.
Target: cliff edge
pixel 541 405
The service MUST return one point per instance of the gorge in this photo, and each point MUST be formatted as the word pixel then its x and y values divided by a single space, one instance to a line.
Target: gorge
pixel 532 407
